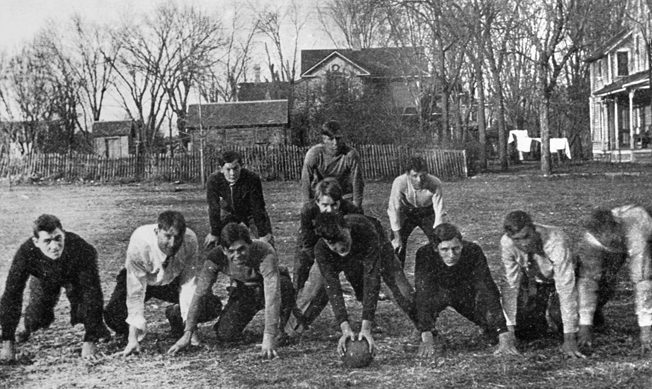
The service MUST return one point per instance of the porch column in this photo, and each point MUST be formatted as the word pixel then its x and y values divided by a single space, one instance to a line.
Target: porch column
pixel 616 129
pixel 631 119
pixel 604 124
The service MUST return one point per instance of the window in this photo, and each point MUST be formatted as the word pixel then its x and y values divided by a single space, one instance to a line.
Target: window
pixel 599 68
pixel 622 62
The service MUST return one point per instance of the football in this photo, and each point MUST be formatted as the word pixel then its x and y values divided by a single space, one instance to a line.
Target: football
pixel 357 354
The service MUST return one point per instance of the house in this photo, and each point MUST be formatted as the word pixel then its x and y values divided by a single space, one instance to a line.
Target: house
pixel 239 123
pixel 115 139
pixel 395 73
pixel 620 114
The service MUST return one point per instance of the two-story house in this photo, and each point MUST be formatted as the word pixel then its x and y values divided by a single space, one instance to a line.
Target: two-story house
pixel 620 113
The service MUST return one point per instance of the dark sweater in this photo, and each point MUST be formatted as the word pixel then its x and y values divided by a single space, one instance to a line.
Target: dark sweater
pixel 438 285
pixel 77 266
pixel 364 256
pixel 242 203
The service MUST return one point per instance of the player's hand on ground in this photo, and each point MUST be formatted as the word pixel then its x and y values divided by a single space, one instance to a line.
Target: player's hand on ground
pixel 210 241
pixel 89 351
pixel 268 348
pixel 569 348
pixel 131 348
pixel 347 333
pixel 8 351
pixel 585 336
pixel 646 339
pixel 506 344
pixel 182 343
pixel 427 345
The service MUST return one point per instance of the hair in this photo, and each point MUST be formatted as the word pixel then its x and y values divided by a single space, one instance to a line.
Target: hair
pixel 47 223
pixel 603 226
pixel 418 164
pixel 233 232
pixel 329 187
pixel 169 219
pixel 444 232
pixel 230 157
pixel 329 226
pixel 516 221
pixel 331 128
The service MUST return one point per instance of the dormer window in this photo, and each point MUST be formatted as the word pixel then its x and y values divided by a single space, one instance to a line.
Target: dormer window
pixel 622 62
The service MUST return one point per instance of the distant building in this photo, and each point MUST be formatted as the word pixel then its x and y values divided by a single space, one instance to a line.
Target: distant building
pixel 620 114
pixel 115 139
pixel 394 73
pixel 241 123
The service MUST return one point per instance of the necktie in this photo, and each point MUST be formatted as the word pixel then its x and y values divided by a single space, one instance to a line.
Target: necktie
pixel 167 261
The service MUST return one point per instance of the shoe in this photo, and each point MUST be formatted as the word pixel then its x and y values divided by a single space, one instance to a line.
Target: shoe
pixel 173 314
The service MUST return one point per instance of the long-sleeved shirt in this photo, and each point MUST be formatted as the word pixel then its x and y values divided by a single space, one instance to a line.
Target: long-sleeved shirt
pixel 344 166
pixel 144 266
pixel 637 227
pixel 77 266
pixel 260 268
pixel 242 202
pixel 556 264
pixel 307 237
pixel 365 253
pixel 464 280
pixel 405 197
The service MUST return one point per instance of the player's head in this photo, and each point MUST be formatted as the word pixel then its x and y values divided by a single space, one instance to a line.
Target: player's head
pixel 49 236
pixel 236 241
pixel 331 135
pixel 519 227
pixel 335 231
pixel 603 227
pixel 170 231
pixel 231 165
pixel 447 240
pixel 417 171
pixel 328 195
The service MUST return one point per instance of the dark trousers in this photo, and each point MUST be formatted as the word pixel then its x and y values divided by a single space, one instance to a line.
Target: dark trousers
pixel 115 312
pixel 423 218
pixel 245 301
pixel 304 258
pixel 44 296
pixel 538 303
pixel 472 304
pixel 313 297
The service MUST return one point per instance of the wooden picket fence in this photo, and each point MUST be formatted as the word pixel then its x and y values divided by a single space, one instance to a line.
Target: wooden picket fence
pixel 272 163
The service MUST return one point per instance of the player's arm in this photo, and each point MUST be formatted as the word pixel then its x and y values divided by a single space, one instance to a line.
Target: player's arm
pixel 426 301
pixel 438 202
pixel 258 209
pixel 371 288
pixel 508 256
pixel 12 303
pixel 272 290
pixel 136 287
pixel 356 179
pixel 307 174
pixel 88 279
pixel 394 212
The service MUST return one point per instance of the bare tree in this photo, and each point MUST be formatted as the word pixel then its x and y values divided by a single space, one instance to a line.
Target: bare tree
pixel 362 23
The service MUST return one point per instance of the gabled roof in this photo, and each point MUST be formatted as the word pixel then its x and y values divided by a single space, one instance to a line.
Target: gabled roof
pixel 112 128
pixel 381 62
pixel 239 114
pixel 609 46
pixel 254 91
pixel 623 83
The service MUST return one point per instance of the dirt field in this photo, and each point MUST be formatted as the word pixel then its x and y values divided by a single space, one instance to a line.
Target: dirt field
pixel 106 216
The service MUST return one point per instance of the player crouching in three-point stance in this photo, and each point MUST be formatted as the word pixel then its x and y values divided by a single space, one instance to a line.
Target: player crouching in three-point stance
pixel 257 283
pixel 162 262
pixel 611 237
pixel 451 272
pixel 55 259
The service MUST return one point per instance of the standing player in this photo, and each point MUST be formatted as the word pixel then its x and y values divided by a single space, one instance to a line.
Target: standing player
pixel 451 272
pixel 540 280
pixel 332 158
pixel 235 194
pixel 162 262
pixel 256 283
pixel 55 259
pixel 415 201
pixel 613 236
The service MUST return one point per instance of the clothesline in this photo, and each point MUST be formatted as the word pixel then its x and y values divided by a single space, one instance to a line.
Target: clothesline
pixel 524 143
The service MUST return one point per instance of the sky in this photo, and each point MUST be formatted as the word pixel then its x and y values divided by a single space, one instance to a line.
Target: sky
pixel 20 21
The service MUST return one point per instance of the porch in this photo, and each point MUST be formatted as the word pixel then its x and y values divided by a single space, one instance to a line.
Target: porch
pixel 623 155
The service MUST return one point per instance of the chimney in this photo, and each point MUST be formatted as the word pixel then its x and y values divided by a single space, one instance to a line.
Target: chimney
pixel 257 73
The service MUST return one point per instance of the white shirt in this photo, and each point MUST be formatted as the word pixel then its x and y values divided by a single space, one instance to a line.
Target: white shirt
pixel 144 266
